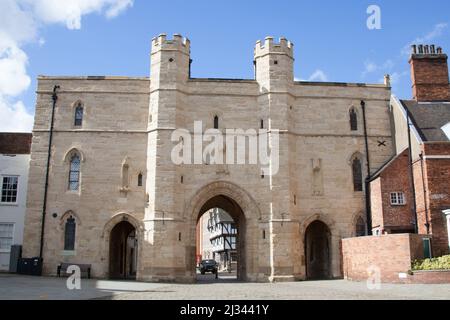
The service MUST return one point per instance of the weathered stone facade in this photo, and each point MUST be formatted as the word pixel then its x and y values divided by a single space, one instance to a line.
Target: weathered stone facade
pixel 130 121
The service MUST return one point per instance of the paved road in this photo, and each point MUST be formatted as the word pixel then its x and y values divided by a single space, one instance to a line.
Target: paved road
pixel 40 288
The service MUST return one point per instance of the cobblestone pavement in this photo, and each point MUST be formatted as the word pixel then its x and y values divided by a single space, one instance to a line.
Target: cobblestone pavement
pixel 40 288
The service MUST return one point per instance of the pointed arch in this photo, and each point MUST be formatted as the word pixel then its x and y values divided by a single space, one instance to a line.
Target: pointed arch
pixel 356 163
pixel 67 215
pixel 71 152
pixel 69 223
pixel 73 158
pixel 359 225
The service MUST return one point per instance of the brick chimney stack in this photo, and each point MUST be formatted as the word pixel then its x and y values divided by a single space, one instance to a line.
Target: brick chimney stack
pixel 429 73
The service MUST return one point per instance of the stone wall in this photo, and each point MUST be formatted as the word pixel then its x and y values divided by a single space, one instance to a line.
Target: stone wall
pixel 134 119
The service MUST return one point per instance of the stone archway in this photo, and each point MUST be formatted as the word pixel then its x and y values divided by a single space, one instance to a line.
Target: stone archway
pixel 243 209
pixel 123 251
pixel 318 251
pixel 235 212
pixel 114 233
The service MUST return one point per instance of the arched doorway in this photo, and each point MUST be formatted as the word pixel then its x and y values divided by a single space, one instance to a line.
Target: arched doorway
pixel 123 251
pixel 220 234
pixel 318 251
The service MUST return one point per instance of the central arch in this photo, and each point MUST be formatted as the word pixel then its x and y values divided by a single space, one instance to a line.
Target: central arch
pixel 244 211
pixel 235 212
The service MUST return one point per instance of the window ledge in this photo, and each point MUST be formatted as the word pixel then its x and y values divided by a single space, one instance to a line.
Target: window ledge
pixel 7 204
pixel 5 251
pixel 75 193
pixel 68 253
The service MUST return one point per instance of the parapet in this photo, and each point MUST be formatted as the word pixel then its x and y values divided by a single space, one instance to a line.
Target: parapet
pixel 178 43
pixel 270 47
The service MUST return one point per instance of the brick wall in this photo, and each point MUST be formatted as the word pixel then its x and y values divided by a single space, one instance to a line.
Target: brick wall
pixel 438 178
pixel 15 143
pixel 430 77
pixel 392 254
pixel 394 178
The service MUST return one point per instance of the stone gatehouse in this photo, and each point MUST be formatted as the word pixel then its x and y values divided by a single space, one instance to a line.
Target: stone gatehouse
pixel 116 200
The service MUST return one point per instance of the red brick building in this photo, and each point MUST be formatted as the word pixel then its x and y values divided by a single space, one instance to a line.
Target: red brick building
pixel 415 184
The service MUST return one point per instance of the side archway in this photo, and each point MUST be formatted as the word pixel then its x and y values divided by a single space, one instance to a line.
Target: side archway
pixel 122 239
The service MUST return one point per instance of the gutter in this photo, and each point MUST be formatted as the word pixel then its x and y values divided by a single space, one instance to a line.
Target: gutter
pixel 49 155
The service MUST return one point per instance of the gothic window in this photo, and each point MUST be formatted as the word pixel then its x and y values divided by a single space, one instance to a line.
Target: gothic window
pixel 360 227
pixel 216 122
pixel 69 234
pixel 353 120
pixel 74 173
pixel 140 177
pixel 357 175
pixel 79 115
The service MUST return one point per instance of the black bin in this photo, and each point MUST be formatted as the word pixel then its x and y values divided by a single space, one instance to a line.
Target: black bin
pixel 36 267
pixel 30 266
pixel 24 266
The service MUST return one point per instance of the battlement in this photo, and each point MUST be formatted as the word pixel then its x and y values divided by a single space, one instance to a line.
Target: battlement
pixel 270 47
pixel 178 43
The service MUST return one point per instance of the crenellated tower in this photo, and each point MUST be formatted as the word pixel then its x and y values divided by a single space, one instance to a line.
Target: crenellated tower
pixel 170 63
pixel 274 63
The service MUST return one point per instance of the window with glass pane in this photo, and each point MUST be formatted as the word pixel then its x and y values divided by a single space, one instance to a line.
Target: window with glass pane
pixel 360 227
pixel 79 116
pixel 353 120
pixel 74 174
pixel 398 198
pixel 6 236
pixel 69 234
pixel 357 175
pixel 9 189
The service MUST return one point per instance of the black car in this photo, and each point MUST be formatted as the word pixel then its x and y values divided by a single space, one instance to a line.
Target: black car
pixel 208 266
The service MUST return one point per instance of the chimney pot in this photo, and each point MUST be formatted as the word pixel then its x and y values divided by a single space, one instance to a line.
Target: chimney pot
pixel 427 51
pixel 433 49
pixel 414 49
pixel 439 50
pixel 420 49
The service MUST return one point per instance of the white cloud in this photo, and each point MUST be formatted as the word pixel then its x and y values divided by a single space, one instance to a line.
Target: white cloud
pixel 437 31
pixel 371 67
pixel 70 12
pixel 20 21
pixel 14 117
pixel 118 8
pixel 318 75
pixel 13 74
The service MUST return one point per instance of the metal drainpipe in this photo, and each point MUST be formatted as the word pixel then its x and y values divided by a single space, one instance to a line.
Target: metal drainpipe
pixel 367 181
pixel 427 223
pixel 411 173
pixel 49 155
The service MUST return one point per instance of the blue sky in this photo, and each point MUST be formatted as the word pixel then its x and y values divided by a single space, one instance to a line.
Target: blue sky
pixel 332 41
